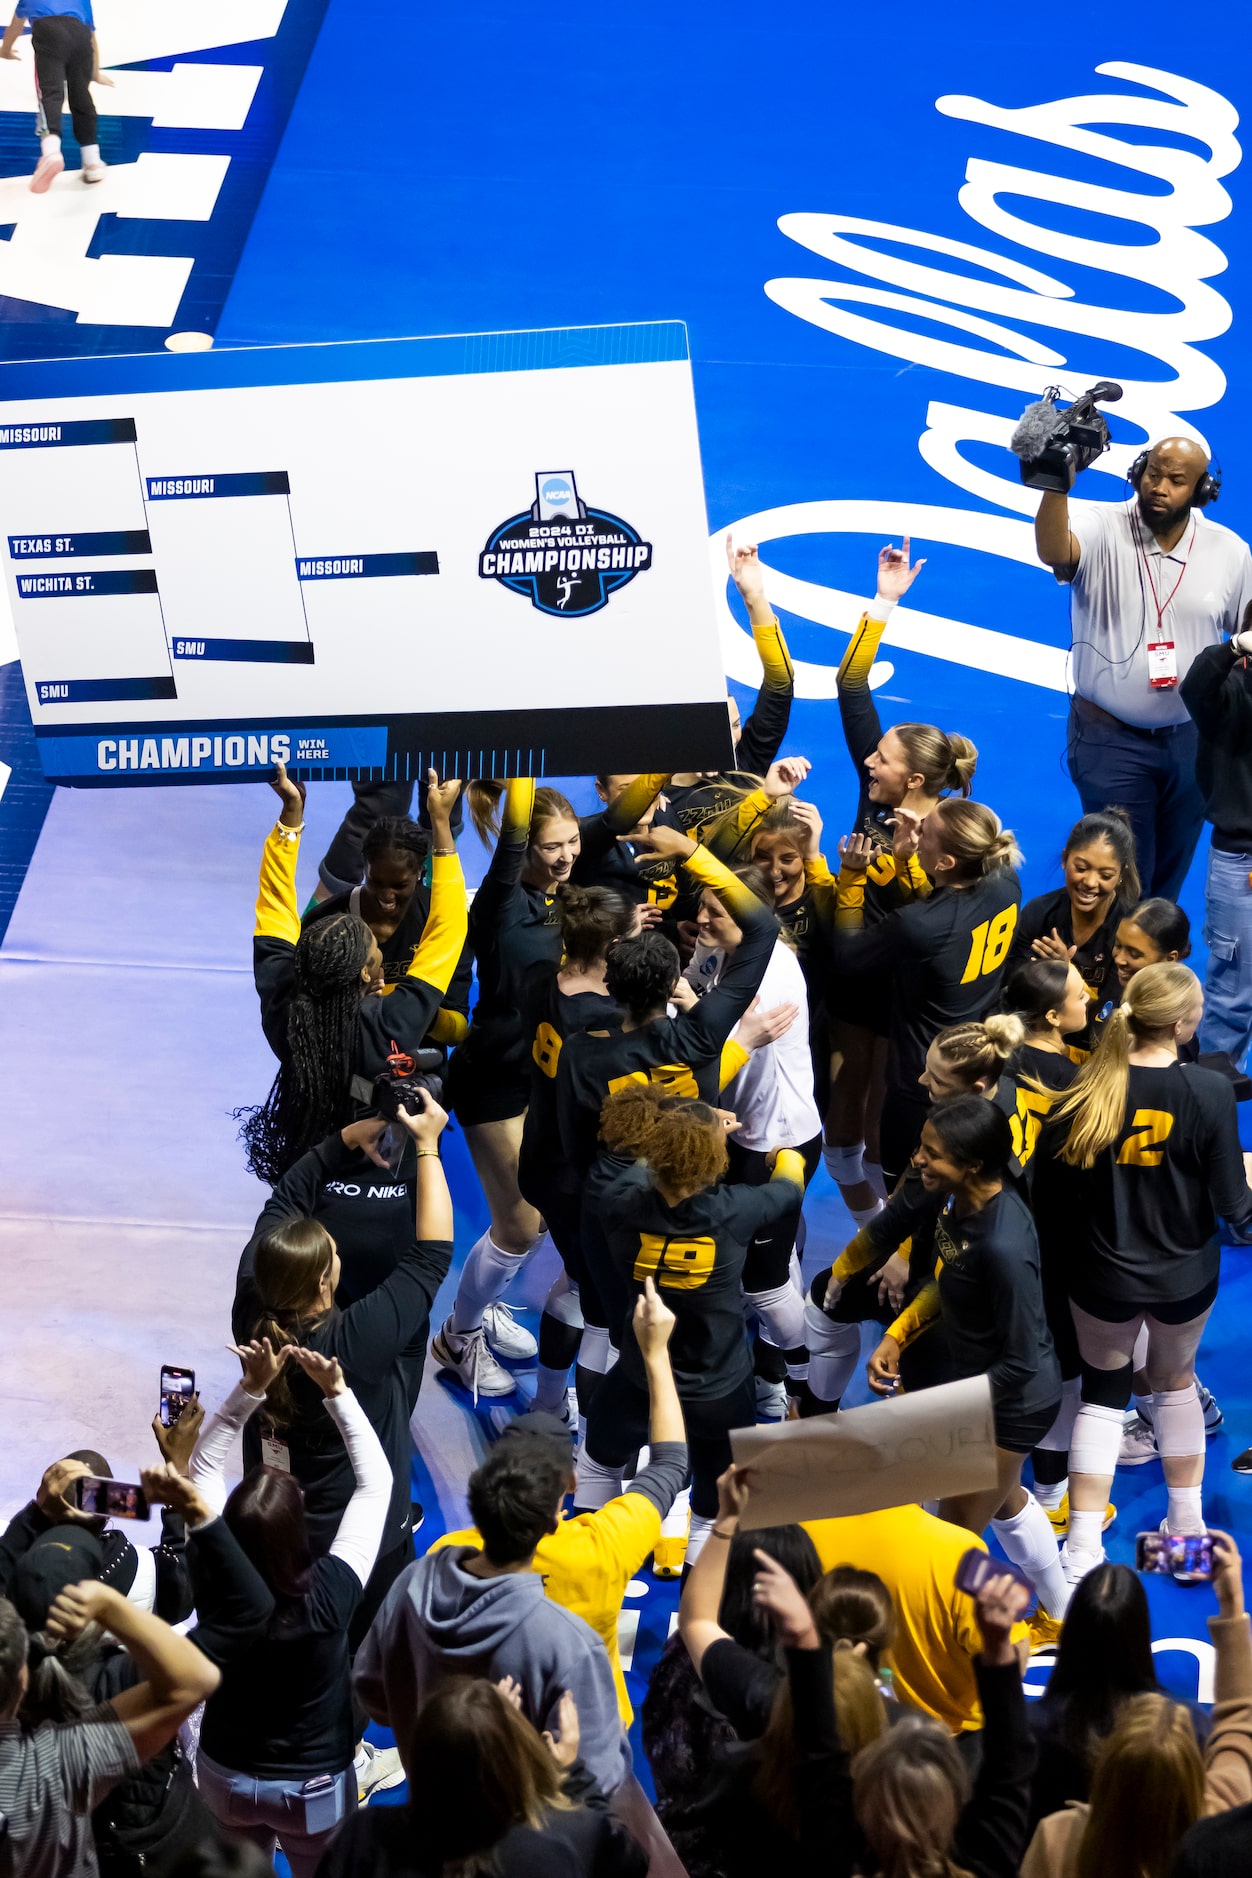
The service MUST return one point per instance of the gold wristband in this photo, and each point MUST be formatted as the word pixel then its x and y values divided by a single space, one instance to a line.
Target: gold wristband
pixel 424 1153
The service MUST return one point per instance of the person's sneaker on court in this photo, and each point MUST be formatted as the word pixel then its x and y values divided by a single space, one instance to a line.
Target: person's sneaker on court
pixel 771 1400
pixel 1058 1516
pixel 505 1336
pixel 1138 1441
pixel 1213 1417
pixel 377 1770
pixel 471 1362
pixel 48 168
pixel 94 169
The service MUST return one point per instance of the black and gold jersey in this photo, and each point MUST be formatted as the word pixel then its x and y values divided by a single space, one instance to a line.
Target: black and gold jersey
pixel 862 733
pixel 1053 912
pixel 694 1252
pixel 549 1017
pixel 991 1299
pixel 1151 1202
pixel 1028 1106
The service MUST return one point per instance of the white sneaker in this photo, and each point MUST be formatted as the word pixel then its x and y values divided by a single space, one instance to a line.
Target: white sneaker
pixel 94 172
pixel 381 1771
pixel 1076 1565
pixel 46 169
pixel 1138 1441
pixel 506 1336
pixel 471 1362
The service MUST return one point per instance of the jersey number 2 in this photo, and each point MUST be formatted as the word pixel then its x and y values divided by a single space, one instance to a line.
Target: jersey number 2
pixel 988 945
pixel 1143 1148
pixel 678 1264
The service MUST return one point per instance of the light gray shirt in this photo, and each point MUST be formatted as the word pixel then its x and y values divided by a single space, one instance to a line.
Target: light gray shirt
pixel 1208 573
pixel 51 1780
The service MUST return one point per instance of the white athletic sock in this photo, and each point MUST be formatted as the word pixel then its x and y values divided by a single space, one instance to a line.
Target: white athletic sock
pixel 488 1272
pixel 874 1175
pixel 863 1214
pixel 700 1530
pixel 1030 1542
pixel 550 1389
pixel 90 154
pixel 50 145
pixel 1186 1512
pixel 1084 1532
pixel 674 1524
pixel 1050 1497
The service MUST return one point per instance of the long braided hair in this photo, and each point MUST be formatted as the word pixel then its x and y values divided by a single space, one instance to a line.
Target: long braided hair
pixel 308 1097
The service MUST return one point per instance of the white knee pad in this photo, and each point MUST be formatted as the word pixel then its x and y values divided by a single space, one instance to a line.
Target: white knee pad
pixel 781 1312
pixel 595 1352
pixel 1096 1440
pixel 846 1166
pixel 563 1304
pixel 1179 1422
pixel 834 1352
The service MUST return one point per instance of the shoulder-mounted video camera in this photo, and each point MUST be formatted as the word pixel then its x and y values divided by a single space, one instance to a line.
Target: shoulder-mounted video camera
pixel 1054 446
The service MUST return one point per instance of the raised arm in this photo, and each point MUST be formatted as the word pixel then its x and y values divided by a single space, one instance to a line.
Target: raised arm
pixel 438 953
pixel 277 915
pixel 1055 542
pixel 761 737
pixel 699 1608
pixel 614 822
pixel 177 1677
pixel 261 1365
pixel 858 713
pixel 360 1529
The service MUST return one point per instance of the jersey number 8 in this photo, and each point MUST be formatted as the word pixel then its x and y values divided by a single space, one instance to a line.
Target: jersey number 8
pixel 677 1264
pixel 546 1049
pixel 989 944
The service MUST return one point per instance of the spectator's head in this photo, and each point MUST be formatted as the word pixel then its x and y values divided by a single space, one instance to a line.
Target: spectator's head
pixel 909 1789
pixel 592 919
pixel 64 1555
pixel 965 841
pixel 14 1649
pixel 557 1436
pixel 966 1144
pixel 515 1497
pixel 1104 1656
pixel 1156 933
pixel 266 1515
pixel 337 961
pixel 477 1769
pixel 1049 999
pixel 967 1059
pixel 853 1610
pixel 640 974
pixel 1146 1790
pixel 296 1270
pixel 738 1615
pixel 1099 859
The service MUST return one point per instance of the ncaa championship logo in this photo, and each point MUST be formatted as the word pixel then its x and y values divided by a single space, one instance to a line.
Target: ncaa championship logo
pixel 566 557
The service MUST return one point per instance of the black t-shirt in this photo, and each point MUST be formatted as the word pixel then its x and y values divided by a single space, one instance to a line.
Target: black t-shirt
pixel 1054 912
pixel 681 1053
pixel 394 1842
pixel 1028 1107
pixel 284 1709
pixel 694 1252
pixel 549 1017
pixel 740 1685
pixel 511 928
pixel 989 1288
pixel 371 1339
pixel 1152 1200
pixel 946 958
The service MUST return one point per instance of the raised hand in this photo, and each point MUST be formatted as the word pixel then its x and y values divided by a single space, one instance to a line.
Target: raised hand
pixel 292 795
pixel 663 840
pixel 776 1593
pixel 167 1486
pixel 906 826
pixel 996 1609
pixel 1050 945
pixel 806 813
pixel 747 574
pixel 427 1127
pixel 785 775
pixel 653 1321
pixel 177 1442
pixel 856 853
pixel 79 1605
pixel 733 1489
pixel 895 576
pixel 261 1362
pixel 324 1370
pixel 1227 1574
pixel 440 802
pixel 56 1490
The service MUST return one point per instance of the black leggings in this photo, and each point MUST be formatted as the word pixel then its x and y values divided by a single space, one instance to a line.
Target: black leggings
pixel 64 55
pixel 617 1427
pixel 904 1114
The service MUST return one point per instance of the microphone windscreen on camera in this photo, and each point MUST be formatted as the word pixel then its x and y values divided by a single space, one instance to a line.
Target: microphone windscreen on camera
pixel 1038 425
pixel 1106 392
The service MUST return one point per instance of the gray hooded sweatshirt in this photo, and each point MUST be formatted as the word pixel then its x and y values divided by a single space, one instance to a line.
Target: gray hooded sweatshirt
pixel 438 1619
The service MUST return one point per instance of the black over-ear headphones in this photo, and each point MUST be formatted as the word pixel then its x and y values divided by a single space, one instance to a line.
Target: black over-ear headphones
pixel 1207 489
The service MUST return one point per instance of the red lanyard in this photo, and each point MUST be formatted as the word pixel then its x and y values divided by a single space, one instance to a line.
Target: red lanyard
pixel 1162 606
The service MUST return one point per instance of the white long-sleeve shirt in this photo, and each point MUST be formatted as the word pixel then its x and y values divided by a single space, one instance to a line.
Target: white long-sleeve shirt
pixel 361 1528
pixel 773 1093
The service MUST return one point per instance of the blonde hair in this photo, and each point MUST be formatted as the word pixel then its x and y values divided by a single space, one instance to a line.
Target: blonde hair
pixel 484 795
pixel 861 1719
pixel 944 761
pixel 976 839
pixel 1157 998
pixel 909 1790
pixel 980 1050
pixel 1146 1791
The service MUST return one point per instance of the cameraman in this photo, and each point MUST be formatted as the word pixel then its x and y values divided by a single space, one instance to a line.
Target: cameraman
pixel 1153 572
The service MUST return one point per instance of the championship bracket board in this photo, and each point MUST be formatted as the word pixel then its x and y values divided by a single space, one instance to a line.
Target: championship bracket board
pixel 486 553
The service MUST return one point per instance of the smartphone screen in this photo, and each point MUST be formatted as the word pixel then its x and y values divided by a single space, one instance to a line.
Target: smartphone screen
pixel 177 1388
pixel 110 1499
pixel 1187 1557
pixel 976 1567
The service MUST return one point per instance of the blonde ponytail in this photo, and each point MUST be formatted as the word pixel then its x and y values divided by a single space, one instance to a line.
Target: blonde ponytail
pixel 975 838
pixel 1157 998
pixel 978 1051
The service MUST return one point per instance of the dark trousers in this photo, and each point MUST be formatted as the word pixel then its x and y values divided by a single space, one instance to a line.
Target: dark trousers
pixel 63 56
pixel 1150 774
pixel 617 1427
